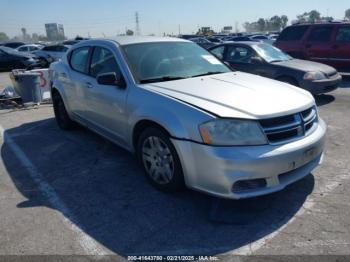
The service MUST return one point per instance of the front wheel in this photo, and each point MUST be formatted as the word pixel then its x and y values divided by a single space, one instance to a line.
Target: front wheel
pixel 62 118
pixel 160 161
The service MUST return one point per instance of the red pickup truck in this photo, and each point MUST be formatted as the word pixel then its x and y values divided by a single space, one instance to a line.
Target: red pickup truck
pixel 328 43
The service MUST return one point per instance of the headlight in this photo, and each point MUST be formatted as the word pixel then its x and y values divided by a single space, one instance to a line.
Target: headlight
pixel 231 132
pixel 311 76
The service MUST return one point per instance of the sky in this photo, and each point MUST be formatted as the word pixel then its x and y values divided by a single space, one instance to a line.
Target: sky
pixel 99 18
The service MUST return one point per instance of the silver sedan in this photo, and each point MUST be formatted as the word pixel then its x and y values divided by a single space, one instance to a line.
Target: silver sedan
pixel 190 120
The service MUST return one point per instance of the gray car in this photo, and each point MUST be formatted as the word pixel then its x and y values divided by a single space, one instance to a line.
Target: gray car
pixel 189 119
pixel 51 53
pixel 269 61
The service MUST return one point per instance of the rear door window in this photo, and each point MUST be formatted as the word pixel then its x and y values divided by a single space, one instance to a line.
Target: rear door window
pixel 343 35
pixel 293 33
pixel 79 59
pixel 321 34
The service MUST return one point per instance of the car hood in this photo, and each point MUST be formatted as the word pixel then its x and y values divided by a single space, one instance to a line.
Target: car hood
pixel 237 95
pixel 23 55
pixel 307 66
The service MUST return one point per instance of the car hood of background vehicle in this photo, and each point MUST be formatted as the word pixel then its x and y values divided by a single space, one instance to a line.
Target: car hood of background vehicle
pixel 24 55
pixel 307 66
pixel 237 95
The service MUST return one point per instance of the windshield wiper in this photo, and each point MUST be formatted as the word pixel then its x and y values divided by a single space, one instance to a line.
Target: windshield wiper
pixel 208 73
pixel 161 79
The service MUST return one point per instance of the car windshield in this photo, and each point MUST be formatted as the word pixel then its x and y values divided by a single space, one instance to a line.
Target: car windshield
pixel 270 53
pixel 166 61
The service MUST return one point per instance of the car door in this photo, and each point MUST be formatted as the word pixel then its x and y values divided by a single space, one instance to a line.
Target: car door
pixel 341 48
pixel 241 58
pixel 75 82
pixel 3 60
pixel 8 61
pixel 318 44
pixel 105 104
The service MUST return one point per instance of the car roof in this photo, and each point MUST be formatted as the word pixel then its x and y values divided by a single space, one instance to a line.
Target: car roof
pixel 321 23
pixel 128 40
pixel 250 43
pixel 31 45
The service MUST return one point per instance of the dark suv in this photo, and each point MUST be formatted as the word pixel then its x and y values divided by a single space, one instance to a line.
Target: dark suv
pixel 327 43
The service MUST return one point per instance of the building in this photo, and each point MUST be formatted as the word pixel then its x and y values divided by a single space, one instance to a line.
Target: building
pixel 54 32
pixel 227 30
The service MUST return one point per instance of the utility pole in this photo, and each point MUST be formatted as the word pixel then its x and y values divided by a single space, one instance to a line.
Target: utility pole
pixel 137 20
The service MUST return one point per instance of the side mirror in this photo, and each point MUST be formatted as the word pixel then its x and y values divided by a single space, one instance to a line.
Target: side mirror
pixel 109 79
pixel 256 60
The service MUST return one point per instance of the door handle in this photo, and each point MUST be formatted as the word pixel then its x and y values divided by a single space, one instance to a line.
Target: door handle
pixel 88 85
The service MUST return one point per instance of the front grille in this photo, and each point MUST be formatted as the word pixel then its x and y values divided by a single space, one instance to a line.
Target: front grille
pixel 290 127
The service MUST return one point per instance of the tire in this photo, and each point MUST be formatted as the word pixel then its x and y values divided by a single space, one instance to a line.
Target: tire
pixel 288 80
pixel 160 160
pixel 62 118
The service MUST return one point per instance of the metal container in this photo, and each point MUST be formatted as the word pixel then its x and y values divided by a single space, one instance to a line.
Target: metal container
pixel 27 85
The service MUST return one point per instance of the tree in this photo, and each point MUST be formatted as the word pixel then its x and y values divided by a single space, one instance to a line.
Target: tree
pixel 3 37
pixel 261 24
pixel 309 17
pixel 275 23
pixel 347 14
pixel 129 32
pixel 284 20
pixel 314 16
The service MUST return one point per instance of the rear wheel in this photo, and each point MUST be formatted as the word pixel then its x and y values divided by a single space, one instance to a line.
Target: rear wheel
pixel 160 161
pixel 62 118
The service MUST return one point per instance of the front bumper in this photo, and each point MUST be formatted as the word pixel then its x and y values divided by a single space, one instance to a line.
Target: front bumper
pixel 249 171
pixel 322 86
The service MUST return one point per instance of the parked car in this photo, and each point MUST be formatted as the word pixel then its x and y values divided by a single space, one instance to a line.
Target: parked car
pixel 51 53
pixel 12 59
pixel 214 40
pixel 259 37
pixel 188 117
pixel 203 42
pixel 237 39
pixel 262 38
pixel 12 44
pixel 327 43
pixel 74 41
pixel 273 37
pixel 268 61
pixel 29 48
